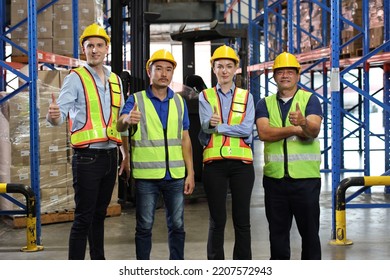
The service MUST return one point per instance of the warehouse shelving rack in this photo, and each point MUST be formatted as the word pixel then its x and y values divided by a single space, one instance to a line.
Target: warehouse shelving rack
pixel 34 58
pixel 339 74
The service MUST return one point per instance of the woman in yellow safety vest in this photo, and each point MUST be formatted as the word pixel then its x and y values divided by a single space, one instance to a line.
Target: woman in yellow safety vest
pixel 226 114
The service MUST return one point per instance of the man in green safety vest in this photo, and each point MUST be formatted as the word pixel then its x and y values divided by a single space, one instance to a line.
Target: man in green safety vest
pixel 161 155
pixel 289 123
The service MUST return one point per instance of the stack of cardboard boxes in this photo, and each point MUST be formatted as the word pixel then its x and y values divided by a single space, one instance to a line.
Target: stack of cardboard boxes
pixel 54 24
pixel 55 174
pixel 56 189
pixel 311 23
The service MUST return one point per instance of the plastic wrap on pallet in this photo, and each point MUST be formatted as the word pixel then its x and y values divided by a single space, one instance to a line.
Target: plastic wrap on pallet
pixel 55 177
pixel 56 189
pixel 5 146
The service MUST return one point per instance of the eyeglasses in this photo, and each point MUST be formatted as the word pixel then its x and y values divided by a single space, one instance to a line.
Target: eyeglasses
pixel 286 72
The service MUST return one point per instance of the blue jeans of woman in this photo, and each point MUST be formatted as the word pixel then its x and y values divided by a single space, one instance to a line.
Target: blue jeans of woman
pixel 218 176
pixel 147 195
pixel 94 175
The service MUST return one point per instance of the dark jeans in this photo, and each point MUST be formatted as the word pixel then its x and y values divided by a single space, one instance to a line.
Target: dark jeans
pixel 147 194
pixel 94 176
pixel 218 176
pixel 287 198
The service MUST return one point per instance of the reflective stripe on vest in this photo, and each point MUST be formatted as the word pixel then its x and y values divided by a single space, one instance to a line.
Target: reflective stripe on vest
pixel 224 147
pixel 153 150
pixel 303 156
pixel 95 129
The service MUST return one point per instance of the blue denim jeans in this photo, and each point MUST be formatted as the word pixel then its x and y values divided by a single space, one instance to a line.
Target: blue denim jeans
pixel 147 194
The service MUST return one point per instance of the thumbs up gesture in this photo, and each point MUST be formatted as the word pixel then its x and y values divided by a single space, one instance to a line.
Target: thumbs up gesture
pixel 133 117
pixel 296 118
pixel 54 110
pixel 215 118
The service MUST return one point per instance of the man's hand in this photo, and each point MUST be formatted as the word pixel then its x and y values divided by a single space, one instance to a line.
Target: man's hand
pixel 189 184
pixel 124 169
pixel 296 118
pixel 54 114
pixel 54 109
pixel 133 117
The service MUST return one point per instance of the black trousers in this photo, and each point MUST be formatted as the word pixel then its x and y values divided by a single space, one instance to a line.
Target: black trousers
pixel 218 176
pixel 287 198
pixel 94 176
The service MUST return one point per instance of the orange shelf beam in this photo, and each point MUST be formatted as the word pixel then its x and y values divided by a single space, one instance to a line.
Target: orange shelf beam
pixel 51 58
pixel 45 57
pixel 306 58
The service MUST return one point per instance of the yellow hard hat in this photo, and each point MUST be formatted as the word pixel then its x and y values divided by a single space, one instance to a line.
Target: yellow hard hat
pixel 94 30
pixel 224 52
pixel 161 55
pixel 286 59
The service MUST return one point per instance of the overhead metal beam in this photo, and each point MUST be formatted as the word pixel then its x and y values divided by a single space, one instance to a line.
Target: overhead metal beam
pixel 186 11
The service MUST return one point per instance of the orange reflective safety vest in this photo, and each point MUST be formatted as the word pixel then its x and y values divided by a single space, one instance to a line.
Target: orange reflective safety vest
pixel 225 147
pixel 95 128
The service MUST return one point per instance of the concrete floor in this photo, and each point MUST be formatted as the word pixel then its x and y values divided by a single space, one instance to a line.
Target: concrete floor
pixel 368 228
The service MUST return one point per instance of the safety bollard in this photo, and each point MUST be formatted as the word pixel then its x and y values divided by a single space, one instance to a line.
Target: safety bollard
pixel 340 231
pixel 30 213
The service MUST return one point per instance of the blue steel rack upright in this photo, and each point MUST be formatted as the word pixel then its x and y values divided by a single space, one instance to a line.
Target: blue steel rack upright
pixel 31 82
pixel 34 57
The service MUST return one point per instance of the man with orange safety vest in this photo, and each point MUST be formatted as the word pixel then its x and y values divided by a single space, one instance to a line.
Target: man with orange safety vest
pixel 226 114
pixel 289 122
pixel 161 155
pixel 91 98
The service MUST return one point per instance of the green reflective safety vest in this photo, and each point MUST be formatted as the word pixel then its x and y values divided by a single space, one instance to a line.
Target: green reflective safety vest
pixel 95 128
pixel 154 151
pixel 303 157
pixel 225 147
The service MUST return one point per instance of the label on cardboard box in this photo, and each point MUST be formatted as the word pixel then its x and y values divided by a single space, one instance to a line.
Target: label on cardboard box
pixel 53 148
pixel 25 153
pixel 23 177
pixel 54 173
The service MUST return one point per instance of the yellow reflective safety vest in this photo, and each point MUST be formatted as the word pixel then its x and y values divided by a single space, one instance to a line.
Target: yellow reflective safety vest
pixel 225 147
pixel 153 150
pixel 95 128
pixel 302 158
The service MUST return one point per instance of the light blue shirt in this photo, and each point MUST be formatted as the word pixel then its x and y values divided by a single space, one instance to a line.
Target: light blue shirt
pixel 243 130
pixel 72 102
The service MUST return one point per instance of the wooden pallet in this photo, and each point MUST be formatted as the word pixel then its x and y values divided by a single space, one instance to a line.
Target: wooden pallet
pixel 60 216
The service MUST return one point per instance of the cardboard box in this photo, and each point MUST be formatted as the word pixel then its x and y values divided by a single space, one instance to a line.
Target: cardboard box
pixel 53 152
pixel 376 36
pixel 63 46
pixel 19 12
pixel 53 176
pixel 45 45
pixel 63 29
pixel 20 156
pixel 20 174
